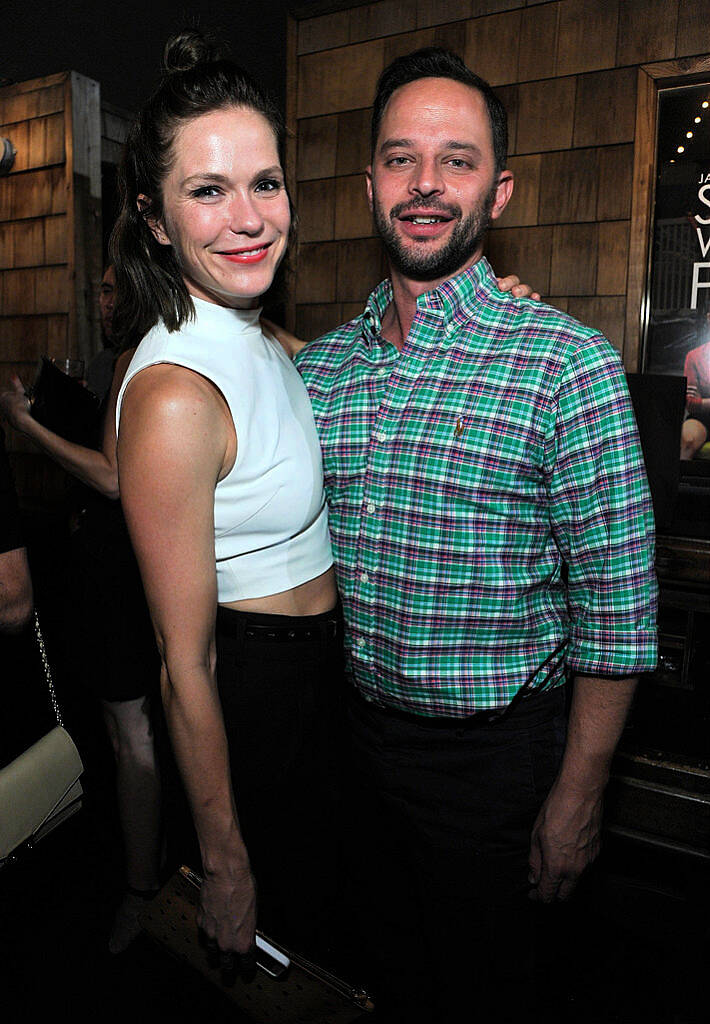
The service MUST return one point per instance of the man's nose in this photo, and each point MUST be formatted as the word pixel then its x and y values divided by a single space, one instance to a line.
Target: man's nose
pixel 427 179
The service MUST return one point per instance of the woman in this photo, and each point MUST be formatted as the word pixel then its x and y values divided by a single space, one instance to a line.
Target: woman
pixel 118 648
pixel 221 483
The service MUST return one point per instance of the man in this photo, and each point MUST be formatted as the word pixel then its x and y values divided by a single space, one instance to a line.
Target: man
pixel 15 582
pixel 99 373
pixel 493 532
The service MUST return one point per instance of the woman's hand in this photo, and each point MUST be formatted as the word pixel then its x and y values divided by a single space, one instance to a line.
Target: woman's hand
pixel 227 909
pixel 512 284
pixel 15 405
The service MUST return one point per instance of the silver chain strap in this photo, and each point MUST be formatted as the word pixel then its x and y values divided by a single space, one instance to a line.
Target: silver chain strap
pixel 48 672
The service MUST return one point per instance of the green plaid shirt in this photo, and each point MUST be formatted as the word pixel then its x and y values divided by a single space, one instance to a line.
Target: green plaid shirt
pixel 487 499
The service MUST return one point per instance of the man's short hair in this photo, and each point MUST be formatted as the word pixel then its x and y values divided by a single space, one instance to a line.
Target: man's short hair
pixel 435 62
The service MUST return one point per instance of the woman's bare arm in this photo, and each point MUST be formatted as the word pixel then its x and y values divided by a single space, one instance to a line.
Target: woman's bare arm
pixel 173 446
pixel 96 468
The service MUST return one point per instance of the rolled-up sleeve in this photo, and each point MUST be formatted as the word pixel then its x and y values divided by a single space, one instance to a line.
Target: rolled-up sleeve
pixel 602 517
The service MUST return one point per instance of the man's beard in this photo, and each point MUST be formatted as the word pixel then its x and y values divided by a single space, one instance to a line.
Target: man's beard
pixel 444 262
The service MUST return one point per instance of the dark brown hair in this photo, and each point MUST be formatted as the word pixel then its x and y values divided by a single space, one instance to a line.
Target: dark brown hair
pixel 435 62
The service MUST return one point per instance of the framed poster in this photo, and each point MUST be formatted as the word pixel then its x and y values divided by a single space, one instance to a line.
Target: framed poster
pixel 678 325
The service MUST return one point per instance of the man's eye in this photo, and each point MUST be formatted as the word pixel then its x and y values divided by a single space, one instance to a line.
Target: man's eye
pixel 457 161
pixel 397 161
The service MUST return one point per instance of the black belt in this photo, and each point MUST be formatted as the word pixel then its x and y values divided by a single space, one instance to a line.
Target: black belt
pixel 327 630
pixel 266 629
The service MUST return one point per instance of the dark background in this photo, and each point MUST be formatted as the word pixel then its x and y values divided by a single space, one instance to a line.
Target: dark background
pixel 119 44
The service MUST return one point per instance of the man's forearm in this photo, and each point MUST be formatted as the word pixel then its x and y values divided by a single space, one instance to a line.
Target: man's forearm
pixel 565 838
pixel 597 716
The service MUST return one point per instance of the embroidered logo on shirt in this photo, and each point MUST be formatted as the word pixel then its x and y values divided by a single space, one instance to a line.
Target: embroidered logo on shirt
pixel 459 428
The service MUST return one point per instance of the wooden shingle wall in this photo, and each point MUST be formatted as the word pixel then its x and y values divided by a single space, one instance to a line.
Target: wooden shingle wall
pixel 567 72
pixel 50 234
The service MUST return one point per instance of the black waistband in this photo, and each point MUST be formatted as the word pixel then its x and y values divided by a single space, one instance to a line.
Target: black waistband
pixel 264 628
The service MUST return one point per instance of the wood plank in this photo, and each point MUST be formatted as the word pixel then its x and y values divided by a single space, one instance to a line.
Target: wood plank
pixel 317 268
pixel 538 42
pixel 647 30
pixel 353 152
pixel 613 257
pixel 352 212
pixel 510 98
pixel 545 115
pixel 314 320
pixel 560 302
pixel 606 315
pixel 28 243
pixel 451 37
pixel 568 186
pixel 23 338
pixel 32 194
pixel 523 207
pixel 522 251
pixel 573 268
pixel 641 200
pixel 316 210
pixel 53 290
pixel 693 34
pixel 351 310
pixel 22 106
pixel 479 7
pixel 324 32
pixel 605 107
pixel 439 12
pixel 493 46
pixel 7 245
pixel 57 336
pixel 18 292
pixel 341 79
pixel 387 18
pixel 55 240
pixel 616 164
pixel 574 52
pixel 114 126
pixel 360 269
pixel 317 147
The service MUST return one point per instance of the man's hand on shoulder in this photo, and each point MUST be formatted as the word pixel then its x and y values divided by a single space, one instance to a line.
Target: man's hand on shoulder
pixel 512 284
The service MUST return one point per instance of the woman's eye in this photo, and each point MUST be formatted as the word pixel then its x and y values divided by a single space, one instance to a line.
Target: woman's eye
pixel 206 192
pixel 269 185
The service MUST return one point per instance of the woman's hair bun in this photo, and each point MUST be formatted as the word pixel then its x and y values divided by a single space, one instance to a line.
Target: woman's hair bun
pixel 188 49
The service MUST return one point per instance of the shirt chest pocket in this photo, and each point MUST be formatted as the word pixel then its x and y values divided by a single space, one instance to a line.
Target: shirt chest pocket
pixel 476 465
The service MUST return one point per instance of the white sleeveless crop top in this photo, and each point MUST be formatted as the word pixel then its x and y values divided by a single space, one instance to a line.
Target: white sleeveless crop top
pixel 271 522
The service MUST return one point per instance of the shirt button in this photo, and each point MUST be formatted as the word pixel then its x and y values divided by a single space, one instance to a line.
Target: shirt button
pixel 361 641
pixel 382 371
pixel 370 506
pixel 380 436
pixel 364 578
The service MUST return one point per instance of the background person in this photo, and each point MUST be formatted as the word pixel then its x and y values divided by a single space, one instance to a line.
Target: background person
pixel 117 654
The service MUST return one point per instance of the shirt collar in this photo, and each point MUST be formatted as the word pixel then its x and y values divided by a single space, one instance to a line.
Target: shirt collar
pixel 454 299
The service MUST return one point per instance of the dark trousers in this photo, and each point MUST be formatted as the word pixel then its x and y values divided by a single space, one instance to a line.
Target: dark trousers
pixel 280 685
pixel 440 853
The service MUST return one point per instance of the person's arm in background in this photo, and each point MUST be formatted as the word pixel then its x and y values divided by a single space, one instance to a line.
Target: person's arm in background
pixel 16 600
pixel 602 520
pixel 97 469
pixel 15 591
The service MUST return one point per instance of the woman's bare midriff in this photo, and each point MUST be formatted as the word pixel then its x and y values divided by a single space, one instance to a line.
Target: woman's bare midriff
pixel 312 598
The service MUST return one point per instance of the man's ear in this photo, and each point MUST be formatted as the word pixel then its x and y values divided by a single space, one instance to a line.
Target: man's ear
pixel 504 191
pixel 368 178
pixel 144 205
